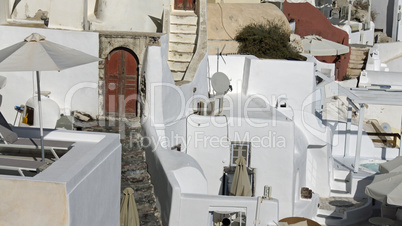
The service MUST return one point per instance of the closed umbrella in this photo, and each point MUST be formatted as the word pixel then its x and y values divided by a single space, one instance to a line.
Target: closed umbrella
pixel 395 165
pixel 241 182
pixel 35 53
pixel 318 46
pixel 386 188
pixel 128 209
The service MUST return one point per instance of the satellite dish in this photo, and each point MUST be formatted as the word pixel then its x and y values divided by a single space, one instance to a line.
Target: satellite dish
pixel 220 83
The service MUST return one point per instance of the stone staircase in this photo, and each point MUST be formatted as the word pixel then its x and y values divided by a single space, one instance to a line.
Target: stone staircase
pixel 182 41
pixel 358 59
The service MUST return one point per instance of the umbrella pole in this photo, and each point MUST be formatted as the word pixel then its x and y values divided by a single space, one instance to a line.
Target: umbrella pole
pixel 40 116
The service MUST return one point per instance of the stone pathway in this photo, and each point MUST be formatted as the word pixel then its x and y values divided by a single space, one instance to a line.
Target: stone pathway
pixel 134 172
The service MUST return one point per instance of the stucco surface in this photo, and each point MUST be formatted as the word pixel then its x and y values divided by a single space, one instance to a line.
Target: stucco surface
pixel 225 20
pixel 33 203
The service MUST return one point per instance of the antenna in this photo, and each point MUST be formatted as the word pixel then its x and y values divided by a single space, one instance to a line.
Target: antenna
pixel 217 57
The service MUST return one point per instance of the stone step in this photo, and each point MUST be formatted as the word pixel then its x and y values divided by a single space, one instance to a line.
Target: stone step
pixel 340 193
pixel 180 57
pixel 149 219
pixel 181 47
pixel 339 174
pixel 183 28
pixel 353 72
pixel 182 38
pixel 340 185
pixel 178 66
pixel 356 61
pixel 358 54
pixel 190 19
pixel 177 76
pixel 364 49
pixel 355 66
pixel 357 57
pixel 133 157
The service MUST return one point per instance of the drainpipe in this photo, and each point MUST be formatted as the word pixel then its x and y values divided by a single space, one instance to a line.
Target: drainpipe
pixel 369 15
pixel 86 24
pixel 4 13
pixel 257 214
pixel 400 143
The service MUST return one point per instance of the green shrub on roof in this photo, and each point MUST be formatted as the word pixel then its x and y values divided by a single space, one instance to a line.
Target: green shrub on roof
pixel 266 40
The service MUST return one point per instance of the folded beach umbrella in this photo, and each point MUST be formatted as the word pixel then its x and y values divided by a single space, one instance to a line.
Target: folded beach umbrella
pixel 35 53
pixel 128 209
pixel 241 182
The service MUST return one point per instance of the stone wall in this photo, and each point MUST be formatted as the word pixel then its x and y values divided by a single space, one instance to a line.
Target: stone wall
pixel 133 41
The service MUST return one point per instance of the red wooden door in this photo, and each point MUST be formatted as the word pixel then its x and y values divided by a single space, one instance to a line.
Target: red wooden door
pixel 121 82
pixel 184 4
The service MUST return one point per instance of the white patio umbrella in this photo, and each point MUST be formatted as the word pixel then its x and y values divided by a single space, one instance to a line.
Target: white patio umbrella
pixel 386 188
pixel 318 46
pixel 35 53
pixel 395 165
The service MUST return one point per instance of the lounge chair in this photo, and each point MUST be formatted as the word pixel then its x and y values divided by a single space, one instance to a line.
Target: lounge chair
pixel 10 140
pixel 20 165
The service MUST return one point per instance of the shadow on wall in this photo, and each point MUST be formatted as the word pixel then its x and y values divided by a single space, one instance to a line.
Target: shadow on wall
pixel 309 20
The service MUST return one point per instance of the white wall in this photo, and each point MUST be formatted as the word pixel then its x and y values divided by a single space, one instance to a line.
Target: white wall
pixel 125 16
pixel 365 37
pixel 386 18
pixel 82 187
pixel 385 57
pixel 20 85
pixel 128 15
pixel 279 78
pixel 399 18
pixel 232 65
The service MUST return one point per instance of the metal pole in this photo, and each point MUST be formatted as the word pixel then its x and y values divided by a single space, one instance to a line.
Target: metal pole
pixel 86 24
pixel 359 139
pixel 400 142
pixel 347 131
pixel 369 15
pixel 349 11
pixel 40 116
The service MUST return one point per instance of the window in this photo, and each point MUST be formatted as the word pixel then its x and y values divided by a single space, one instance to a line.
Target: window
pixel 240 149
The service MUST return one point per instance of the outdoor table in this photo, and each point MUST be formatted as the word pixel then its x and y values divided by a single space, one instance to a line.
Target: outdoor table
pixel 381 221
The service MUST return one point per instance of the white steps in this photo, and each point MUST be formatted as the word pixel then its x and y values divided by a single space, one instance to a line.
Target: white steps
pixel 182 38
pixel 189 18
pixel 181 47
pixel 340 185
pixel 182 41
pixel 183 28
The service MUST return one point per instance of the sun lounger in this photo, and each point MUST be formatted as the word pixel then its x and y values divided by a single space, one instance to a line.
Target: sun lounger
pixel 10 140
pixel 20 165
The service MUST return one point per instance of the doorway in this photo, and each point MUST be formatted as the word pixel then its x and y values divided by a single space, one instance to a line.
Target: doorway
pixel 121 82
pixel 184 4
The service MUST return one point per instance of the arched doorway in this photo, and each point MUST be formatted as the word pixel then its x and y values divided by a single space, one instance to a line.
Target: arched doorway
pixel 121 82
